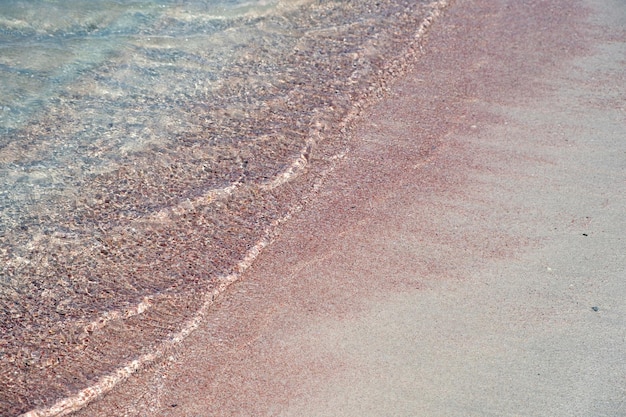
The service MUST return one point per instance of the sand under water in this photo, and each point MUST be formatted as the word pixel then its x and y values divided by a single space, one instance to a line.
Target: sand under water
pixel 146 157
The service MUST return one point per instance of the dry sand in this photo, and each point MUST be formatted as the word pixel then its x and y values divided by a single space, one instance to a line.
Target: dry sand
pixel 467 258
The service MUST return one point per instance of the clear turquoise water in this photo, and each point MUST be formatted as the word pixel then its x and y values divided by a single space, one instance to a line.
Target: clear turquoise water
pixel 46 45
pixel 84 85
pixel 120 122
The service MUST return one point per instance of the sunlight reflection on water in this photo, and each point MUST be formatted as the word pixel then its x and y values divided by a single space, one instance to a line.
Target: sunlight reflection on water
pixel 145 148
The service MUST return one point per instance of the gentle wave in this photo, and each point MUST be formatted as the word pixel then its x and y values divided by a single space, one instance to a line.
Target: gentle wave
pixel 131 224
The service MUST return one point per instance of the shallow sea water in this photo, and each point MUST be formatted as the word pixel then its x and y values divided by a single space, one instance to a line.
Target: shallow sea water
pixel 147 147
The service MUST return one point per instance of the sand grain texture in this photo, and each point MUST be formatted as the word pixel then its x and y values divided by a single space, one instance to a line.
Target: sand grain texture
pixel 467 257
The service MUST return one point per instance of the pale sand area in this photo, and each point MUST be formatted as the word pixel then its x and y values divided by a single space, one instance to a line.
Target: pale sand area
pixel 467 258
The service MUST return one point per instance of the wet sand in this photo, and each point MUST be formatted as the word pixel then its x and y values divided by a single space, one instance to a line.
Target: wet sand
pixel 466 257
pixel 148 183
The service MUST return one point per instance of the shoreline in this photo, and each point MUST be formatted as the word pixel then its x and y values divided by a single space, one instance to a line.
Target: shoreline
pixel 464 258
pixel 205 299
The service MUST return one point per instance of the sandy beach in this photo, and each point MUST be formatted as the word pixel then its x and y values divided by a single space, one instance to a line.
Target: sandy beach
pixel 465 258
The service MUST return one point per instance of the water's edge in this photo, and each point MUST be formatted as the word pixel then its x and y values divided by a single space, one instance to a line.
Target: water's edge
pixel 316 157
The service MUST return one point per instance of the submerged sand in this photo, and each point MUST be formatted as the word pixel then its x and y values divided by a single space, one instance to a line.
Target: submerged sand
pixel 465 258
pixel 147 181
